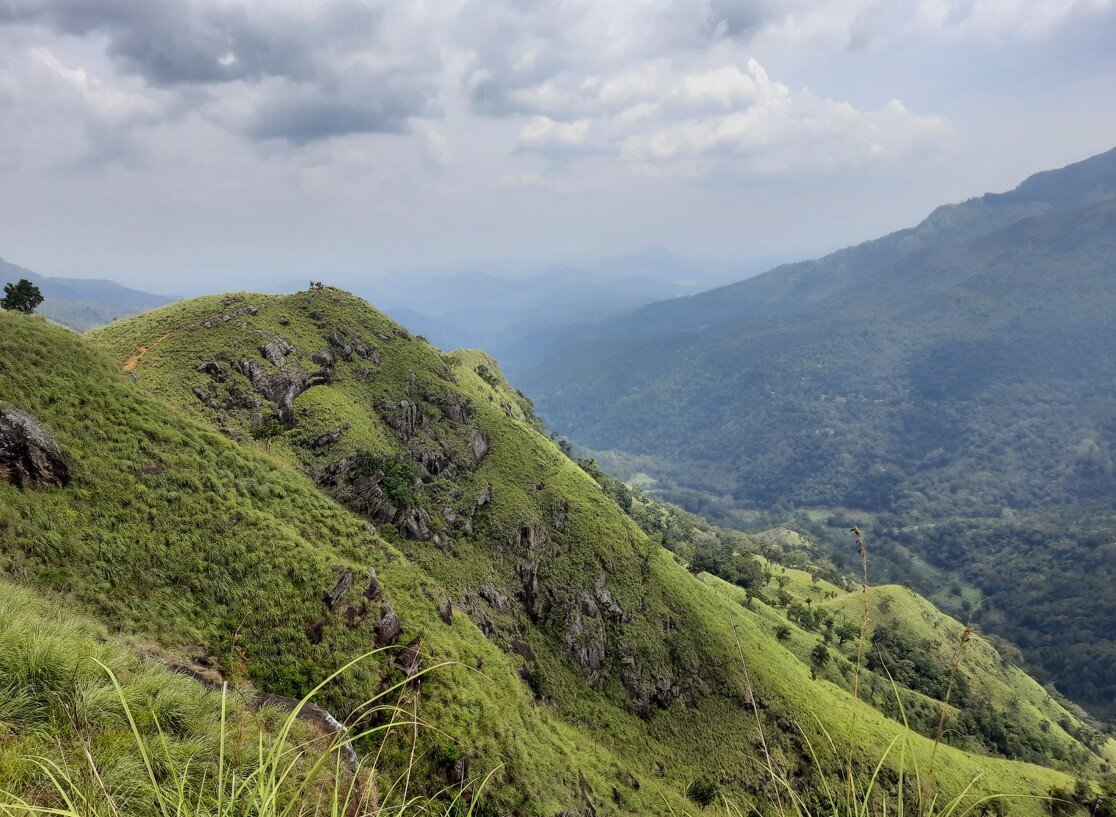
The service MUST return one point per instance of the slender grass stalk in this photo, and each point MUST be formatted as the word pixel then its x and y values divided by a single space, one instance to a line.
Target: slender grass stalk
pixel 864 621
pixel 955 664
pixel 288 776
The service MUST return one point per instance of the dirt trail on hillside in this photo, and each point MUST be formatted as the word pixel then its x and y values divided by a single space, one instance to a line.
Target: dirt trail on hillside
pixel 136 356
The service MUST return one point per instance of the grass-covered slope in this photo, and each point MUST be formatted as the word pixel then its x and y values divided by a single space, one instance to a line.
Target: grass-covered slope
pixel 593 665
pixel 171 532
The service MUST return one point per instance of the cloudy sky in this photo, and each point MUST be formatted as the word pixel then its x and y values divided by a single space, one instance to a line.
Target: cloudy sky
pixel 186 144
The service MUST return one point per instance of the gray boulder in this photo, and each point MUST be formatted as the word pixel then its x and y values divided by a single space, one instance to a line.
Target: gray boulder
pixel 29 457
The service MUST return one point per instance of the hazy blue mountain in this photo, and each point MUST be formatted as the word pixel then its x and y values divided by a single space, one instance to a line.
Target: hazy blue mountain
pixel 82 303
pixel 520 318
pixel 955 382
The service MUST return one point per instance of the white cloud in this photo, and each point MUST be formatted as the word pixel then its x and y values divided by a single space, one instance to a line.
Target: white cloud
pixel 704 116
pixel 258 117
pixel 545 135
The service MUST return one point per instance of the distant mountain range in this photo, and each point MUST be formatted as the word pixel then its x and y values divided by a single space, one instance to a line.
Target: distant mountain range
pixel 83 303
pixel 954 382
pixel 519 318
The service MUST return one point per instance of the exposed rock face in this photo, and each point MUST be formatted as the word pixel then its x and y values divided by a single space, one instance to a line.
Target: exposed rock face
pixel 374 591
pixel 530 538
pixel 323 358
pixel 28 455
pixel 276 351
pixel 403 416
pixel 611 609
pixel 347 346
pixel 344 582
pixel 494 597
pixel 409 659
pixel 414 524
pixel 647 689
pixel 205 397
pixel 282 387
pixel 484 497
pixel 454 407
pixel 331 437
pixel 445 612
pixel 478 445
pixel 431 460
pixel 537 603
pixel 365 494
pixel 389 627
pixel 214 369
pixel 585 639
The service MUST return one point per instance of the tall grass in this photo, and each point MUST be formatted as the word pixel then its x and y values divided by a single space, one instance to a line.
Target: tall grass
pixel 286 771
pixel 913 793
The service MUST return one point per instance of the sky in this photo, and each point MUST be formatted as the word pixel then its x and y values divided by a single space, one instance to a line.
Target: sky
pixel 184 145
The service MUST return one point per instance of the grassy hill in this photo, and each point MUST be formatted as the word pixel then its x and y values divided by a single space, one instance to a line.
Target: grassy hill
pixel 952 383
pixel 591 668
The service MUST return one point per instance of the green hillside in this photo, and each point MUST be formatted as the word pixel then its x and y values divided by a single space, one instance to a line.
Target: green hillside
pixel 950 385
pixel 591 668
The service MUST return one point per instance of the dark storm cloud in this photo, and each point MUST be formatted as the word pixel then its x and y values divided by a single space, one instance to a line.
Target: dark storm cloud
pixel 326 88
pixel 308 120
pixel 175 41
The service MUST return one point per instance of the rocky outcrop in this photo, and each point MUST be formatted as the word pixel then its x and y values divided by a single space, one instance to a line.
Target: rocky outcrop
pixel 409 659
pixel 585 640
pixel 204 397
pixel 454 407
pixel 349 345
pixel 29 457
pixel 403 416
pixel 344 582
pixel 364 494
pixel 374 591
pixel 331 437
pixel 275 352
pixel 529 539
pixel 318 717
pixel 610 609
pixel 282 387
pixel 647 689
pixel 215 370
pixel 431 459
pixel 389 627
pixel 537 603
pixel 478 445
pixel 414 524
pixel 494 597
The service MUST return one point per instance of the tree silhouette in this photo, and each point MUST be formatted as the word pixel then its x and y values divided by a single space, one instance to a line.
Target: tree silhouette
pixel 23 297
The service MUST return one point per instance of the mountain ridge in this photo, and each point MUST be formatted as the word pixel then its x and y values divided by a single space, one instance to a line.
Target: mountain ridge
pixel 962 382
